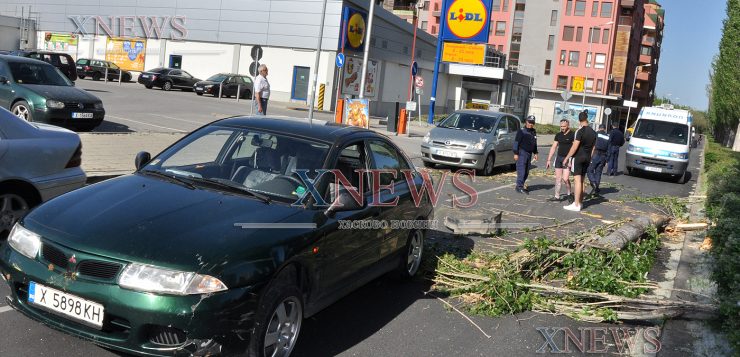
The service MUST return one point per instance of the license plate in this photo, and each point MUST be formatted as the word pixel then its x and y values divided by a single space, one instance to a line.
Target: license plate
pixel 653 169
pixel 446 153
pixel 198 88
pixel 69 305
pixel 144 76
pixel 82 115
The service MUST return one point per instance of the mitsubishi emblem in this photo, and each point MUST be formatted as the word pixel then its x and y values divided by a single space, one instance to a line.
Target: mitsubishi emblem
pixel 72 259
pixel 80 105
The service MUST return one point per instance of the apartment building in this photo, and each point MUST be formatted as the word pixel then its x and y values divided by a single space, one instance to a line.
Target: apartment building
pixel 590 48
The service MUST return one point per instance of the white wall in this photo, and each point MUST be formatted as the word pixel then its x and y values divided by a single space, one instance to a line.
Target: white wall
pixel 200 59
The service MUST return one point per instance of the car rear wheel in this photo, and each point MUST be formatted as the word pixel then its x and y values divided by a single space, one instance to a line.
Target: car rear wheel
pixel 167 86
pixel 126 78
pixel 488 166
pixel 411 260
pixel 96 76
pixel 278 318
pixel 148 86
pixel 22 110
pixel 198 93
pixel 12 208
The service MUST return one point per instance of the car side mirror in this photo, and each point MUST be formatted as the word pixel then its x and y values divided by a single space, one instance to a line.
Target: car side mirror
pixel 3 80
pixel 142 158
pixel 344 202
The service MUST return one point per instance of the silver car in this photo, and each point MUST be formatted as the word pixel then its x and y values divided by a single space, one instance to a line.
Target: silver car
pixel 37 162
pixel 476 139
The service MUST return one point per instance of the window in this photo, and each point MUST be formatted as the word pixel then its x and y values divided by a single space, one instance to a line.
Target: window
pixel 436 6
pixel 424 24
pixel 562 82
pixel 589 85
pixel 548 67
pixel 646 50
pixel 501 125
pixel 426 5
pixel 562 57
pixel 388 158
pixel 506 5
pixel 573 58
pixel 605 37
pixel 496 5
pixel 599 85
pixel 568 33
pixel 588 59
pixel 203 149
pixel 615 88
pixel 595 35
pixel 554 18
pixel 595 9
pixel 579 34
pixel 513 124
pixel 606 9
pixel 550 42
pixel 568 7
pixel 580 9
pixel 600 61
pixel 500 28
pixel 434 30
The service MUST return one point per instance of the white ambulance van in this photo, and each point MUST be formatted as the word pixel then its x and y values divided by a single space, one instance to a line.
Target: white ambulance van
pixel 660 142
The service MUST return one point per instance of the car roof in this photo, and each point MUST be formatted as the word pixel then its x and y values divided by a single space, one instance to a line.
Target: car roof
pixel 320 130
pixel 9 58
pixel 483 112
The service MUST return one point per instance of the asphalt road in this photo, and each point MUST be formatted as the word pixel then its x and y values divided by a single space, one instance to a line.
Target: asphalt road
pixel 386 317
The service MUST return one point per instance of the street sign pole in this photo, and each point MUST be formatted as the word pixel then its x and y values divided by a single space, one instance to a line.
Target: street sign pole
pixel 371 15
pixel 316 64
pixel 437 58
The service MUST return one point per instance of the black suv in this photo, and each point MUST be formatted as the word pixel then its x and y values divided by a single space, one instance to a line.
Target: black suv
pixel 167 79
pixel 63 61
pixel 231 84
pixel 96 69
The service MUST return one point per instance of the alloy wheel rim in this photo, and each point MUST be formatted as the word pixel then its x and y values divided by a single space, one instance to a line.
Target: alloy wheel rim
pixel 167 86
pixel 12 208
pixel 413 259
pixel 283 328
pixel 21 111
pixel 489 164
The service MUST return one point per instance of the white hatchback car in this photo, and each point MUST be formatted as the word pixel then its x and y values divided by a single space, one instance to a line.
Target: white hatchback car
pixel 37 162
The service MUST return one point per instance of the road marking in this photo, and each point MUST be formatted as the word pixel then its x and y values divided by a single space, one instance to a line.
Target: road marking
pixel 178 119
pixel 5 309
pixel 156 126
pixel 490 190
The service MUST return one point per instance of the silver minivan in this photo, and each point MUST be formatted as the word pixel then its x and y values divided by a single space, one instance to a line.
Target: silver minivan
pixel 476 139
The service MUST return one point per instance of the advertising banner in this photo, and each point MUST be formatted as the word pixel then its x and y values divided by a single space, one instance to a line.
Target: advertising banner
pixel 466 20
pixel 355 23
pixel 571 113
pixel 357 112
pixel 59 42
pixel 351 80
pixel 463 53
pixel 128 53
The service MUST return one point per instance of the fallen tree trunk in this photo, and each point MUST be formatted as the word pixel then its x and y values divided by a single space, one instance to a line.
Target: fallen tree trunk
pixel 630 232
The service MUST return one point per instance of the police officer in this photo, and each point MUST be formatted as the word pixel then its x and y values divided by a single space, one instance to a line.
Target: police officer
pixel 598 160
pixel 525 146
pixel 616 140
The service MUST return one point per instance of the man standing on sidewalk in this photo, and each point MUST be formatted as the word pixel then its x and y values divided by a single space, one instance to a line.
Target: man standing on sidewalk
pixel 616 140
pixel 261 90
pixel 581 151
pixel 563 142
pixel 598 160
pixel 525 145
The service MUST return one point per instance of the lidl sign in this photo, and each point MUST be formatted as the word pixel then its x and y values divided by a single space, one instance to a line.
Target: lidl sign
pixel 355 27
pixel 466 20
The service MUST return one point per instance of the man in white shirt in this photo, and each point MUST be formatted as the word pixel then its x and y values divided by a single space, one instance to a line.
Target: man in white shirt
pixel 261 90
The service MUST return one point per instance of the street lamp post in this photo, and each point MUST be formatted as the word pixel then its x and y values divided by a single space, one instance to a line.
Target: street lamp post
pixel 632 95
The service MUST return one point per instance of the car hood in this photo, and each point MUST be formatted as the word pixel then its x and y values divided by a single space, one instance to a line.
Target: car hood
pixel 149 220
pixel 457 136
pixel 62 93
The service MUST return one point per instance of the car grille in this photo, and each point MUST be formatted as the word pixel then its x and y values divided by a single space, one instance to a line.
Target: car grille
pixel 454 146
pixel 653 162
pixel 98 269
pixel 445 158
pixel 54 256
pixel 167 336
pixel 75 105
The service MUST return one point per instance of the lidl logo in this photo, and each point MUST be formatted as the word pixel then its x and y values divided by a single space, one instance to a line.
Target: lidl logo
pixel 356 30
pixel 467 18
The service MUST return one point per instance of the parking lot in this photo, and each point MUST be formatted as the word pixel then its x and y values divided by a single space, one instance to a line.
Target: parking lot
pixel 385 317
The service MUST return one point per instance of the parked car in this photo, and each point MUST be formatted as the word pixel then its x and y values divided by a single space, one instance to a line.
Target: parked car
pixel 231 84
pixel 204 248
pixel 167 79
pixel 38 92
pixel 37 162
pixel 96 69
pixel 477 139
pixel 63 61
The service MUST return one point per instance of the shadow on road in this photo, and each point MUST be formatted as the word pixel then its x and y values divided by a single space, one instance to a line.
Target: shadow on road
pixel 111 127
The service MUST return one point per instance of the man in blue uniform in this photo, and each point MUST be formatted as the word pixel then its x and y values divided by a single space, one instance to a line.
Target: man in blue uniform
pixel 525 146
pixel 616 140
pixel 598 160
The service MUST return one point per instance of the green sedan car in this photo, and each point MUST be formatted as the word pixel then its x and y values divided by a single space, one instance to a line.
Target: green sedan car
pixel 36 91
pixel 224 242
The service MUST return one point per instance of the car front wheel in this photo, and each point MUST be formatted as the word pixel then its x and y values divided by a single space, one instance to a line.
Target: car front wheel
pixel 411 260
pixel 488 166
pixel 81 76
pixel 22 110
pixel 278 318
pixel 96 76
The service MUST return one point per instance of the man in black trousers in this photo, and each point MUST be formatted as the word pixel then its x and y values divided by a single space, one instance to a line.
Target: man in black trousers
pixel 616 141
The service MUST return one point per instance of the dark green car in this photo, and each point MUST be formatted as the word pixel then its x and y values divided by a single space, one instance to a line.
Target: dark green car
pixel 36 91
pixel 223 243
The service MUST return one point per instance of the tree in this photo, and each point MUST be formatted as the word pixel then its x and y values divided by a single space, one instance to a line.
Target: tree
pixel 725 99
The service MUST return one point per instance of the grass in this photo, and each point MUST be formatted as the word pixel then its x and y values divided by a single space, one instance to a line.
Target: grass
pixel 722 168
pixel 547 129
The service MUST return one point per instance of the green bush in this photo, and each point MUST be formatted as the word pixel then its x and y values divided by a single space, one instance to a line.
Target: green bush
pixel 547 129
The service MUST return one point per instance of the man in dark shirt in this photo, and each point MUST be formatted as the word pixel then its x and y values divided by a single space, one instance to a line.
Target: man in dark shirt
pixel 581 151
pixel 563 142
pixel 525 145
pixel 616 140
pixel 598 160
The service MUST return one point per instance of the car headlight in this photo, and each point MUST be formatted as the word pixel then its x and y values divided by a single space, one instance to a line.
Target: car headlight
pixel 480 145
pixel 165 281
pixel 680 155
pixel 54 104
pixel 24 241
pixel 427 138
pixel 634 148
pixel 208 86
pixel 99 105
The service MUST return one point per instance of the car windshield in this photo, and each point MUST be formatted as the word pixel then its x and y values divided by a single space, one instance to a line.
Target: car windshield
pixel 217 78
pixel 112 65
pixel 37 73
pixel 469 122
pixel 257 162
pixel 673 133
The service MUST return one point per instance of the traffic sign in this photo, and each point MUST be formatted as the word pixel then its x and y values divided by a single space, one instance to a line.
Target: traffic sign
pixel 253 68
pixel 340 60
pixel 414 68
pixel 566 95
pixel 419 82
pixel 411 106
pixel 419 91
pixel 577 84
pixel 630 104
pixel 608 111
pixel 256 52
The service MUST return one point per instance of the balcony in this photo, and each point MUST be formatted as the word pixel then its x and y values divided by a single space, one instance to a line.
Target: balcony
pixel 628 3
pixel 643 76
pixel 645 59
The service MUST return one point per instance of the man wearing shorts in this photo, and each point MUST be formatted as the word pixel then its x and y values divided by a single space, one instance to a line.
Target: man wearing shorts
pixel 562 144
pixel 581 152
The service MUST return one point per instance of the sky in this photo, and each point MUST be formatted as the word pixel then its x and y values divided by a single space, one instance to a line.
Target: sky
pixel 693 29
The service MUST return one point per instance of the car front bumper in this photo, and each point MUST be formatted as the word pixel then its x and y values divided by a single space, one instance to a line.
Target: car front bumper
pixel 203 323
pixel 459 158
pixel 651 163
pixel 63 117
